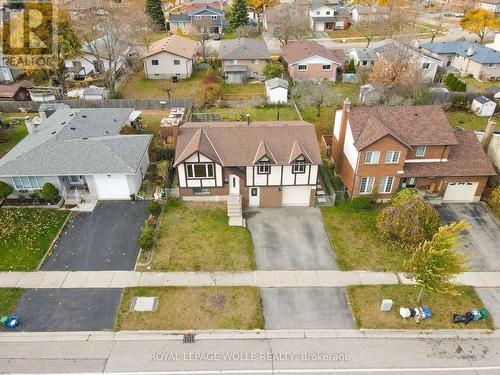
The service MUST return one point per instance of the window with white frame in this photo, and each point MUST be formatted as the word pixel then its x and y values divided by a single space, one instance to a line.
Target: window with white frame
pixel 213 17
pixel 392 157
pixel 233 61
pixel 264 168
pixel 420 151
pixel 76 180
pixel 326 67
pixel 328 12
pixel 27 182
pixel 492 65
pixel 302 68
pixel 386 184
pixel 255 61
pixel 318 12
pixel 372 157
pixel 366 185
pixel 200 170
pixel 299 167
pixel 364 63
pixel 177 62
pixel 154 62
pixel 426 66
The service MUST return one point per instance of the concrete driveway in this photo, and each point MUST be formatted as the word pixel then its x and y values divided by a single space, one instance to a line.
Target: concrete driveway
pixel 105 239
pixel 291 238
pixel 306 308
pixel 491 300
pixel 481 241
pixel 47 310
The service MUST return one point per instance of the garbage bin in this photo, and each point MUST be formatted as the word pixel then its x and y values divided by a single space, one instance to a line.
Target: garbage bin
pixel 174 79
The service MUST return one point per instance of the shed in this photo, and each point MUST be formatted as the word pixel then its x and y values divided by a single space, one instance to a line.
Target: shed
pixel 276 90
pixel 95 93
pixel 482 106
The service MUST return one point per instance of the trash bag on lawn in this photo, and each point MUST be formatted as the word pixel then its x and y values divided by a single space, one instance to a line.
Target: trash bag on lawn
pixel 404 312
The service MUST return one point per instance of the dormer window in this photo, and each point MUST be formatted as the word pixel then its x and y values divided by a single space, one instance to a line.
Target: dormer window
pixel 299 165
pixel 264 166
pixel 420 151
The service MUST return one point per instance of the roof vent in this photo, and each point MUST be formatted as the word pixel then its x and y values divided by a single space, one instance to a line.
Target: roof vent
pixel 73 128
pixel 54 132
pixel 85 138
pixel 63 123
pixel 107 132
pixel 84 116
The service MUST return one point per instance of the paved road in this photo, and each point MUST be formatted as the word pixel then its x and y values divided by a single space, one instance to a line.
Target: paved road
pixel 372 355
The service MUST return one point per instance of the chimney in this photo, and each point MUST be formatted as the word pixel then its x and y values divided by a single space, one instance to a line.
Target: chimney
pixel 339 151
pixel 488 133
pixel 470 51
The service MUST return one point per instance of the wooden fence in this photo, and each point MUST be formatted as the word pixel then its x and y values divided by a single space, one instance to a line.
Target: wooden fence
pixel 139 104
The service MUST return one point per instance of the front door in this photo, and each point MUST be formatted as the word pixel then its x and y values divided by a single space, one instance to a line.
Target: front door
pixel 254 199
pixel 234 184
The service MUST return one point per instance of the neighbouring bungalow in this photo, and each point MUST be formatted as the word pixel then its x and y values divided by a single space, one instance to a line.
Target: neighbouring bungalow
pixel 360 12
pixel 243 58
pixel 82 153
pixel 18 91
pixel 326 17
pixel 379 150
pixel 169 57
pixel 308 60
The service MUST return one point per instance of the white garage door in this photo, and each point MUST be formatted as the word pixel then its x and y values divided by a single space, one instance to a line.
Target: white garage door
pixel 460 191
pixel 296 195
pixel 112 187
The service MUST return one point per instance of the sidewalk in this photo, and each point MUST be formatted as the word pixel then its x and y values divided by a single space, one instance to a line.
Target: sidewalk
pixel 260 279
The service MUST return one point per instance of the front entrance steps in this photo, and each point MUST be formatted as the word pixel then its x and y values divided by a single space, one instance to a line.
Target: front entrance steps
pixel 235 210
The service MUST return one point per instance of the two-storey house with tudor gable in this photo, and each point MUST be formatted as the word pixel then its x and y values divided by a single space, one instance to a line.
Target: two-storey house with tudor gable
pixel 265 163
pixel 382 149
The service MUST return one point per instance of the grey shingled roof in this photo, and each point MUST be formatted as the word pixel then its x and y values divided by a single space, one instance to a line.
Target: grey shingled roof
pixel 244 49
pixel 481 55
pixel 482 99
pixel 366 54
pixel 78 142
pixel 276 82
pixel 94 91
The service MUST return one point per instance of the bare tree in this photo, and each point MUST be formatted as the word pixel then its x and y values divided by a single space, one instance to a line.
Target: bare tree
pixel 291 23
pixel 370 28
pixel 313 94
pixel 167 87
pixel 144 28
pixel 202 34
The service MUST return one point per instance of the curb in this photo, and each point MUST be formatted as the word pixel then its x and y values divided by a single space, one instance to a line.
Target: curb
pixel 245 335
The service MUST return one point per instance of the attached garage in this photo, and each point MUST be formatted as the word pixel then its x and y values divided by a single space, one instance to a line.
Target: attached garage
pixel 111 187
pixel 296 196
pixel 460 191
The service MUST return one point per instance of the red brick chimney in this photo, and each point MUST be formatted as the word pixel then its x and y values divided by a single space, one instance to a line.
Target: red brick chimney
pixel 339 150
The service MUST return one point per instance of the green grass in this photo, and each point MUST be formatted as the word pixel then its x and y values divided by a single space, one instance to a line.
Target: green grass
pixel 16 135
pixel 256 113
pixel 365 305
pixel 8 300
pixel 478 85
pixel 355 241
pixel 139 87
pixel 191 308
pixel 25 236
pixel 196 237
pixel 466 120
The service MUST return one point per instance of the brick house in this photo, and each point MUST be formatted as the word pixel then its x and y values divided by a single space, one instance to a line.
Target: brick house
pixel 382 149
pixel 308 60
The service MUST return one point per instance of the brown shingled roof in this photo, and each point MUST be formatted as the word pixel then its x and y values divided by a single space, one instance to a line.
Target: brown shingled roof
pixel 411 125
pixel 237 144
pixel 174 44
pixel 467 158
pixel 302 49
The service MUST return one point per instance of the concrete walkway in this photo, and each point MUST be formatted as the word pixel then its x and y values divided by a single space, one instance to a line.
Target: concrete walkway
pixel 261 279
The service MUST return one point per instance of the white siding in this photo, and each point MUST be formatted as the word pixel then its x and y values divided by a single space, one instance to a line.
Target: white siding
pixel 166 67
pixel 349 150
pixel 336 128
pixel 275 176
pixel 135 181
pixel 249 176
pixel 288 178
pixel 313 177
pixel 205 182
pixel 277 95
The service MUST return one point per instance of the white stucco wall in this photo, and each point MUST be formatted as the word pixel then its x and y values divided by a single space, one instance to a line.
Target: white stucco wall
pixel 166 67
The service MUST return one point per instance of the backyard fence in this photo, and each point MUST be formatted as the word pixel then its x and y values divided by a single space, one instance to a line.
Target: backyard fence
pixel 203 117
pixel 139 104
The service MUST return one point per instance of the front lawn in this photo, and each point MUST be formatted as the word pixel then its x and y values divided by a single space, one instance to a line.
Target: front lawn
pixel 195 236
pixel 256 113
pixel 139 87
pixel 466 120
pixel 355 241
pixel 365 303
pixel 25 236
pixel 8 300
pixel 16 134
pixel 192 308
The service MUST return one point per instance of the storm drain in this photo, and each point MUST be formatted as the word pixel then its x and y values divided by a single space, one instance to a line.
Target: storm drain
pixel 188 338
pixel 144 304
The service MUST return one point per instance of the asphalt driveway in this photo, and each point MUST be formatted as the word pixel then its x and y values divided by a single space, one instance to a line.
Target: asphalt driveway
pixel 482 240
pixel 306 308
pixel 48 310
pixel 290 238
pixel 105 239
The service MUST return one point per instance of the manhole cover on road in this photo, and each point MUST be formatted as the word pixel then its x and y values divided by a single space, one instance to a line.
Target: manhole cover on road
pixel 144 304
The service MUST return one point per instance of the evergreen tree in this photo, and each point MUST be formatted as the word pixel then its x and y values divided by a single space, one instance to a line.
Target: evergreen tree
pixel 239 14
pixel 155 10
pixel 352 67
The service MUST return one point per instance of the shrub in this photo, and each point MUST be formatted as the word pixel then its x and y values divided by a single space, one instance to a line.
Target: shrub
pixel 4 136
pixel 403 196
pixel 165 153
pixel 145 240
pixel 352 67
pixel 409 219
pixel 273 69
pixel 458 102
pixel 116 94
pixel 5 190
pixel 154 208
pixel 361 203
pixel 49 192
